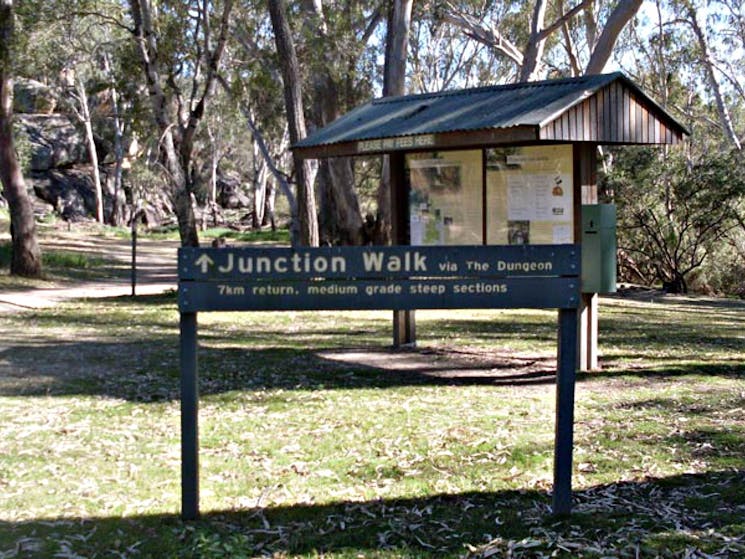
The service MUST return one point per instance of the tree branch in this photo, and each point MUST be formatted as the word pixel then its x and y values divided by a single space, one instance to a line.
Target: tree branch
pixel 477 31
pixel 601 53
pixel 563 18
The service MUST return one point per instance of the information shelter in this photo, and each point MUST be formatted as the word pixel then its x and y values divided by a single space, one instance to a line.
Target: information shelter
pixel 502 165
pixel 487 192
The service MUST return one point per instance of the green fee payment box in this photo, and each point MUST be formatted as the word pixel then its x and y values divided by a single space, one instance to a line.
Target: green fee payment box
pixel 599 248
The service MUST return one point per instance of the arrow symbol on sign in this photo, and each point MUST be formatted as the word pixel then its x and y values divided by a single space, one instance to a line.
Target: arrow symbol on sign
pixel 204 262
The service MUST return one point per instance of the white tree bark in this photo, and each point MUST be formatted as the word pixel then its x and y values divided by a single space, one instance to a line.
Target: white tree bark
pixel 84 115
pixel 708 61
pixel 617 20
pixel 269 160
pixel 394 80
pixel 119 199
pixel 533 57
pixel 177 134
pixel 486 35
pixel 529 58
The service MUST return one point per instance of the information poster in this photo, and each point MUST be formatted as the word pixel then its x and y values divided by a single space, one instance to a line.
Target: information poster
pixel 445 201
pixel 529 195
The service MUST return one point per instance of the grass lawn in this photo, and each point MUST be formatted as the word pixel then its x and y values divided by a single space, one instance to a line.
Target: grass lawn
pixel 316 441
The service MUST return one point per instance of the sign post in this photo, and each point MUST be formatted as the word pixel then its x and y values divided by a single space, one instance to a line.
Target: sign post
pixel 399 278
pixel 564 438
pixel 189 417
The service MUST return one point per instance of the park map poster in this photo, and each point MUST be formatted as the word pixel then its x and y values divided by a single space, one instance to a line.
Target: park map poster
pixel 529 195
pixel 445 198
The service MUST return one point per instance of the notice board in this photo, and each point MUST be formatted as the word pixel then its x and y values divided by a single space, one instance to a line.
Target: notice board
pixel 529 195
pixel 445 198
pixel 498 196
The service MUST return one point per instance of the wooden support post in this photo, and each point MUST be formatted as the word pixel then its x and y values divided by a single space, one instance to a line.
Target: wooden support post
pixel 189 418
pixel 564 435
pixel 588 351
pixel 404 322
pixel 404 328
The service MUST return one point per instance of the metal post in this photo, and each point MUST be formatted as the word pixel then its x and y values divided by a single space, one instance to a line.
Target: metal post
pixel 134 255
pixel 564 436
pixel 189 418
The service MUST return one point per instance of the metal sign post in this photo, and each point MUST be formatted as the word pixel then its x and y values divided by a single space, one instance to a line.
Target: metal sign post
pixel 369 278
pixel 189 417
pixel 566 366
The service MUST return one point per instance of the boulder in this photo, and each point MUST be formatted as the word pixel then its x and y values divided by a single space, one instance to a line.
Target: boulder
pixel 70 191
pixel 32 97
pixel 55 141
pixel 231 196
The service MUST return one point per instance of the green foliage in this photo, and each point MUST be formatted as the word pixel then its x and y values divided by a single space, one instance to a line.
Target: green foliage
pixel 62 264
pixel 70 260
pixel 281 236
pixel 23 147
pixel 674 215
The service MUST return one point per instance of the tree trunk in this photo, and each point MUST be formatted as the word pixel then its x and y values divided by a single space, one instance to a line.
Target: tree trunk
pixel 281 180
pixel 708 62
pixel 341 218
pixel 529 59
pixel 26 255
pixel 307 219
pixel 178 131
pixel 85 118
pixel 617 20
pixel 394 83
pixel 118 197
pixel 531 68
pixel 214 163
pixel 170 149
pixel 180 192
pixel 261 178
pixel 269 198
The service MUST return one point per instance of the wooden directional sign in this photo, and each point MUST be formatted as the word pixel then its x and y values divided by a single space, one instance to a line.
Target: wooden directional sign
pixel 338 278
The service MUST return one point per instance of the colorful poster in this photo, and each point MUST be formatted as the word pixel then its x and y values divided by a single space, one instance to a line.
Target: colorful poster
pixel 529 194
pixel 445 198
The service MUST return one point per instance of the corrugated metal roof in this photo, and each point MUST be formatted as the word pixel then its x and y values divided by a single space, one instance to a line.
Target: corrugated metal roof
pixel 532 104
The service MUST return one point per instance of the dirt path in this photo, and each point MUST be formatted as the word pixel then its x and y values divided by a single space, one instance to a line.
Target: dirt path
pixel 156 271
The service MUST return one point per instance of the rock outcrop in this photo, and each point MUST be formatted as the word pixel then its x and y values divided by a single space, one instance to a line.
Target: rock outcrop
pixel 54 150
pixel 54 141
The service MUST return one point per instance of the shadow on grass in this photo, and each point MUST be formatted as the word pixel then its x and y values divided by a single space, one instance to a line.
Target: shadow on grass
pixel 674 515
pixel 148 371
pixel 703 303
pixel 135 353
pixel 655 372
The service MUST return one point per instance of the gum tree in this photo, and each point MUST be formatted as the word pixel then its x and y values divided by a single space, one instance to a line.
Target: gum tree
pixel 180 46
pixel 26 255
